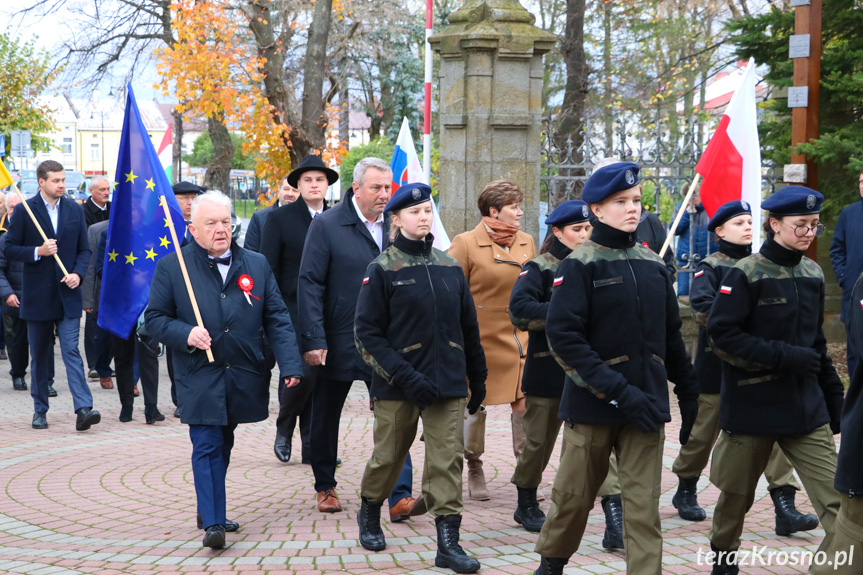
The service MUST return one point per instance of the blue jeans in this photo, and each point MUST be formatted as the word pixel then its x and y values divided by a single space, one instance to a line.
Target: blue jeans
pixel 211 455
pixel 40 335
pixel 405 483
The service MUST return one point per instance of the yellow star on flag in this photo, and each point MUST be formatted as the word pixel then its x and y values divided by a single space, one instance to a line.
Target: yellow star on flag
pixel 130 259
pixel 151 185
pixel 167 222
pixel 130 177
pixel 151 254
pixel 165 242
pixel 112 255
pixel 161 200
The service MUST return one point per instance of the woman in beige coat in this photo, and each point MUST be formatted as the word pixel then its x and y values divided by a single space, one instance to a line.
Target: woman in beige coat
pixel 492 255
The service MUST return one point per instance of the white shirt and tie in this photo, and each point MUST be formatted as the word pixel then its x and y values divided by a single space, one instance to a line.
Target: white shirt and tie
pixel 54 216
pixel 375 228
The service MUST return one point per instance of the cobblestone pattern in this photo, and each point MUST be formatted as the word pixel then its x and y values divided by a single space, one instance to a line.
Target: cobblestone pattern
pixel 120 499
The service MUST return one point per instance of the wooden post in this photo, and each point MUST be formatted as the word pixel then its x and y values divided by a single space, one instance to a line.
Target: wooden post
pixel 807 73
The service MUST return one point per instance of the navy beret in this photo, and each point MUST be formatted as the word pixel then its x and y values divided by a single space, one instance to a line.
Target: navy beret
pixel 609 180
pixel 187 188
pixel 794 201
pixel 568 212
pixel 727 211
pixel 409 195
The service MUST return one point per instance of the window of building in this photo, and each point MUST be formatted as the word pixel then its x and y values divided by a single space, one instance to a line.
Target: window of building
pixel 66 146
pixel 94 152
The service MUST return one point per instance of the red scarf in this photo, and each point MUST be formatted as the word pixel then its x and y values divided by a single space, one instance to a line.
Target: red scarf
pixel 501 233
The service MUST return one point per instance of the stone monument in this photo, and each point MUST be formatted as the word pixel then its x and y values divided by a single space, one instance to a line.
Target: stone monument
pixel 490 107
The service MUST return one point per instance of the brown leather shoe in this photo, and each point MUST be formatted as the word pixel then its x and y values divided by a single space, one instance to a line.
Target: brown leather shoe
pixel 407 508
pixel 328 501
pixel 106 382
pixel 135 391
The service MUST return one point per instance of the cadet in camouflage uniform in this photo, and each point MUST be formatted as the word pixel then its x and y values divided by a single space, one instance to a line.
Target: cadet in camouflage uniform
pixel 614 326
pixel 732 224
pixel 542 382
pixel 778 383
pixel 848 532
pixel 416 327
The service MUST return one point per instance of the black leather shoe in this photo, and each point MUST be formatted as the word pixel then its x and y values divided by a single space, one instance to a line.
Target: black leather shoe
pixel 613 509
pixel 528 514
pixel 686 500
pixel 230 526
pixel 215 537
pixel 177 412
pixel 282 448
pixel 369 521
pixel 152 414
pixel 338 461
pixel 551 566
pixel 450 555
pixel 788 519
pixel 18 384
pixel 87 417
pixel 3 353
pixel 40 421
pixel 126 413
pixel 51 391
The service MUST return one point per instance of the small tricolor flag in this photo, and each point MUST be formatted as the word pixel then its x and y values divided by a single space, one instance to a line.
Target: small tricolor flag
pixel 725 289
pixel 698 274
pixel 365 281
pixel 558 281
pixel 524 273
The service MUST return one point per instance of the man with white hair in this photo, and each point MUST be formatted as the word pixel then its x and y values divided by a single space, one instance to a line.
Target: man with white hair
pixel 237 296
pixel 97 208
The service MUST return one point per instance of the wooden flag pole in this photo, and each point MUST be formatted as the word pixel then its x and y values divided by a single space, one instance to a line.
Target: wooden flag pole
pixel 39 228
pixel 682 209
pixel 197 311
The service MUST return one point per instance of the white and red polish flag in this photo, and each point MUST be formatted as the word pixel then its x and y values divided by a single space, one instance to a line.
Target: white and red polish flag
pixel 731 163
pixel 407 170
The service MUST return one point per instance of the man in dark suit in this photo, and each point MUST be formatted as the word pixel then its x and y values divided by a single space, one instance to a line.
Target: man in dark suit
pixel 340 244
pixel 97 208
pixel 48 298
pixel 237 296
pixel 285 231
pixel 287 194
pixel 185 192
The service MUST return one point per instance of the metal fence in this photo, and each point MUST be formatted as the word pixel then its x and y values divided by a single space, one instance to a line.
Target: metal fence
pixel 667 162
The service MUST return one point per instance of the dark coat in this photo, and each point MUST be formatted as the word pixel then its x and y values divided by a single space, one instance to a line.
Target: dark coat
pixel 44 297
pixel 91 286
pixel 415 313
pixel 705 285
pixel 94 215
pixel 11 276
pixel 702 236
pixel 613 321
pixel 769 306
pixel 849 472
pixel 846 250
pixel 235 388
pixel 338 250
pixel 528 309
pixel 285 229
pixel 252 242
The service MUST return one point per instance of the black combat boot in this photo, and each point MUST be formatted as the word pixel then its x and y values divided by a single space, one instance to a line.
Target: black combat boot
pixel 528 514
pixel 613 538
pixel 686 500
pixel 788 519
pixel 551 566
pixel 724 563
pixel 450 555
pixel 369 520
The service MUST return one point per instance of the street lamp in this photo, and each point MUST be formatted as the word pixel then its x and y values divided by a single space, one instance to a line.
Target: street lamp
pixel 102 145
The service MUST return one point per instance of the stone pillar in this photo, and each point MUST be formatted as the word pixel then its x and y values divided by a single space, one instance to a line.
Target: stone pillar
pixel 490 110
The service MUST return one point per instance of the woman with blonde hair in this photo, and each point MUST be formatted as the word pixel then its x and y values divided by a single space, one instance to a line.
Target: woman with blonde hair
pixel 491 256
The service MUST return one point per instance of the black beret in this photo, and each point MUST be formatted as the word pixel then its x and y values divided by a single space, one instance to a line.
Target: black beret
pixel 409 195
pixel 727 211
pixel 568 212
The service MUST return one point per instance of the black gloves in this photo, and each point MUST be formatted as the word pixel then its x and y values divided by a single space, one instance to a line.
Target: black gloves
pixel 834 408
pixel 477 394
pixel 639 407
pixel 688 413
pixel 802 360
pixel 420 389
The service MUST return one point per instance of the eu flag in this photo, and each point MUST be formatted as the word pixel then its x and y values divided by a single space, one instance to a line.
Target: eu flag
pixel 138 232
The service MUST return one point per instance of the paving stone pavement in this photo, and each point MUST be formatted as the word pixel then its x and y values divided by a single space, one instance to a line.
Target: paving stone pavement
pixel 120 499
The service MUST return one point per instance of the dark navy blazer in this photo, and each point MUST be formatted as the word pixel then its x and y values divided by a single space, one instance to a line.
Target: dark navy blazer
pixel 44 298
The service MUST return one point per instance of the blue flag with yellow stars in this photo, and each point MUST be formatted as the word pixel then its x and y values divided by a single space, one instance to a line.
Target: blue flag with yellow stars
pixel 138 232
